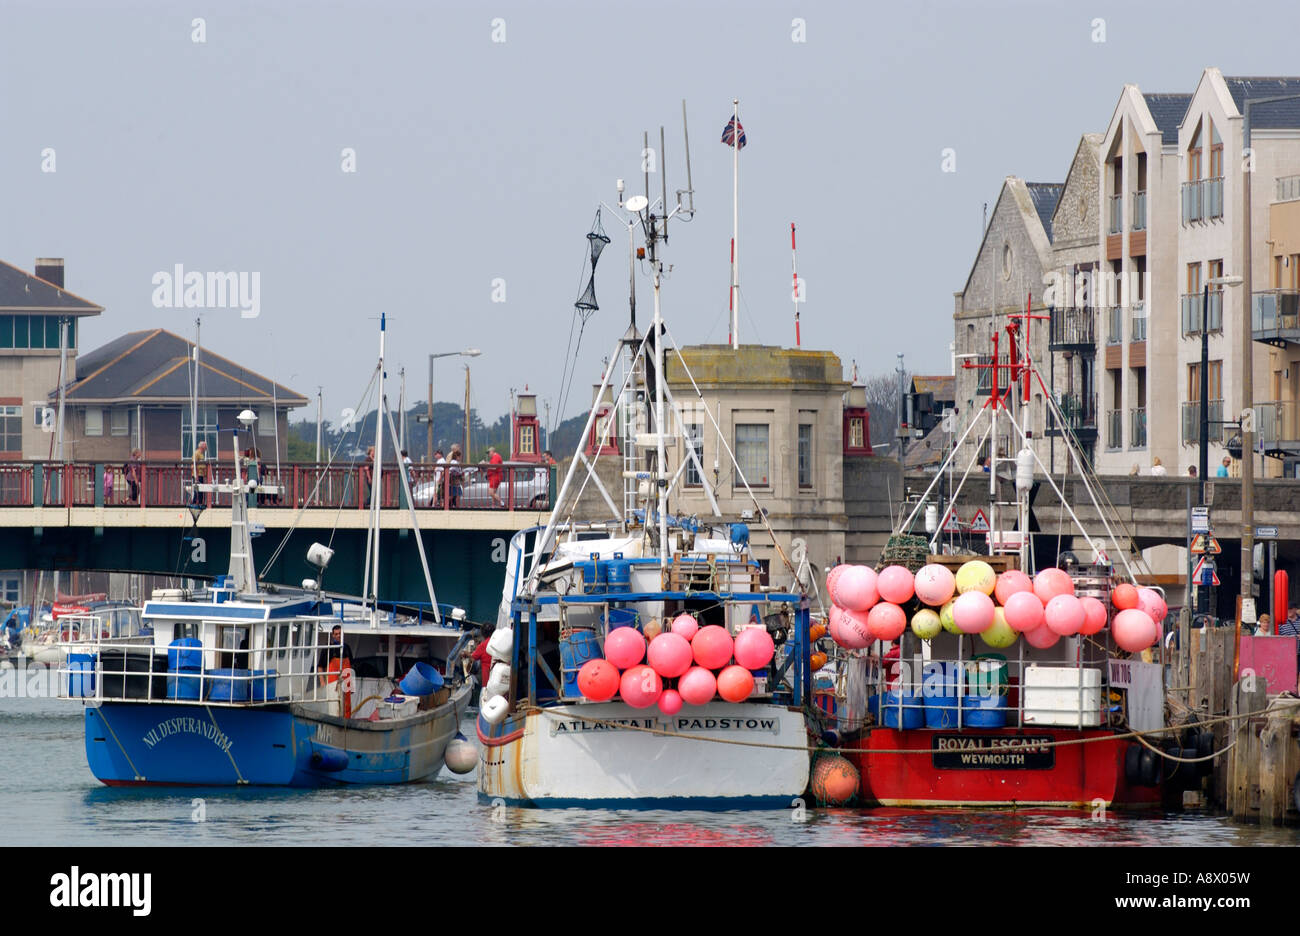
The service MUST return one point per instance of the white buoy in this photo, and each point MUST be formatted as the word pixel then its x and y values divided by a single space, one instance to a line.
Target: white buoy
pixel 1024 469
pixel 501 643
pixel 498 680
pixel 931 518
pixel 461 756
pixel 494 711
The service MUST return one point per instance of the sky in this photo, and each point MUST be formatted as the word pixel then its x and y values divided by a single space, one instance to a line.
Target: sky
pixel 442 163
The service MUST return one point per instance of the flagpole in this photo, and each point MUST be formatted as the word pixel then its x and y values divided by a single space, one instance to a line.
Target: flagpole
pixel 735 225
pixel 794 268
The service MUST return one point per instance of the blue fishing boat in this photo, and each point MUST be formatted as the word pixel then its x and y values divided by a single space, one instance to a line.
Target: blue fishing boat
pixel 245 683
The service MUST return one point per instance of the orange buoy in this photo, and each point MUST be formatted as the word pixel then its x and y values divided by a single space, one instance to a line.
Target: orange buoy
pixel 818 661
pixel 834 781
pixel 817 632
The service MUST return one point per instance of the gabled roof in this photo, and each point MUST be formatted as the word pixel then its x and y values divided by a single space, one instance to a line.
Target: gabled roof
pixel 153 367
pixel 1045 196
pixel 23 292
pixel 1037 225
pixel 943 387
pixel 1167 110
pixel 1284 114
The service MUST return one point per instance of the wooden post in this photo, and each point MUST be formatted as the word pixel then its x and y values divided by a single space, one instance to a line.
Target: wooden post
pixel 1243 786
pixel 1277 762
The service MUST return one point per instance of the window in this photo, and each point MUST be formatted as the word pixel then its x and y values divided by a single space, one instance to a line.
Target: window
pixel 121 420
pixel 805 455
pixel 22 337
pixel 44 416
pixel 527 439
pixel 751 452
pixel 1194 381
pixel 695 439
pixel 94 421
pixel 9 590
pixel 855 432
pixel 207 431
pixel 265 422
pixel 11 428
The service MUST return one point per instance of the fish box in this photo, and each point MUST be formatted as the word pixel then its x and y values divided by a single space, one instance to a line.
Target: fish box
pixel 1062 695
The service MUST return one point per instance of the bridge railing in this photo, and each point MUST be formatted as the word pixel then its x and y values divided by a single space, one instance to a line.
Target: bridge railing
pixel 506 486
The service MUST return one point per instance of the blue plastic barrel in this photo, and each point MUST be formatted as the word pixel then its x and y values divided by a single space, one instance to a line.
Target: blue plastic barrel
pixel 941 711
pixel 81 675
pixel 263 685
pixel 913 714
pixel 421 680
pixel 185 655
pixel 576 648
pixel 621 617
pixel 618 573
pixel 984 711
pixel 229 685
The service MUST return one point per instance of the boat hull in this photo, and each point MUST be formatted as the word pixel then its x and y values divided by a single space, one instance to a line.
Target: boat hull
pixel 130 744
pixel 975 767
pixel 584 756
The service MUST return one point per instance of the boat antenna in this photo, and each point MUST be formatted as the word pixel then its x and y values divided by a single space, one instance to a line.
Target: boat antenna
pixel 794 267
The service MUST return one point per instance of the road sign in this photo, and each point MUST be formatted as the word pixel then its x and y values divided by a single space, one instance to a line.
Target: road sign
pixel 1265 532
pixel 1204 568
pixel 979 523
pixel 953 523
pixel 1198 544
pixel 1212 547
pixel 1200 519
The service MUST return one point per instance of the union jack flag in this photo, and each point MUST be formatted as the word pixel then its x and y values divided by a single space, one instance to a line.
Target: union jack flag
pixel 729 133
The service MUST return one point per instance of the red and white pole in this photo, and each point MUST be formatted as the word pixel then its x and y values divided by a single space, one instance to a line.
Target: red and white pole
pixel 794 267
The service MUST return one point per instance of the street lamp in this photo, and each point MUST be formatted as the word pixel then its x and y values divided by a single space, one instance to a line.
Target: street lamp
pixel 468 352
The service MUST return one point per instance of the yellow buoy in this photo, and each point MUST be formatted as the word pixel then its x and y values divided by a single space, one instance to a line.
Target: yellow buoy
pixel 976 576
pixel 926 624
pixel 946 620
pixel 999 633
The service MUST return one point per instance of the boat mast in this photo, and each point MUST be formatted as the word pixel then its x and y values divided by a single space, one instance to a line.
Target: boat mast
pixel 377 478
pixel 735 224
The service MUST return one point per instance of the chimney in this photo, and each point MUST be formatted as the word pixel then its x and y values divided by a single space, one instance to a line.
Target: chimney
pixel 50 269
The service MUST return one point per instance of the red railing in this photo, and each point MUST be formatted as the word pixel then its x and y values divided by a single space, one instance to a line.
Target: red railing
pixel 507 486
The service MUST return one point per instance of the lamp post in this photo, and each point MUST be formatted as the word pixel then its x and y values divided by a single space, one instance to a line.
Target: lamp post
pixel 468 352
pixel 1202 604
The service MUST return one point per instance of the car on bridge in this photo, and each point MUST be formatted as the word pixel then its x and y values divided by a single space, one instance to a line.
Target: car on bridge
pixel 526 487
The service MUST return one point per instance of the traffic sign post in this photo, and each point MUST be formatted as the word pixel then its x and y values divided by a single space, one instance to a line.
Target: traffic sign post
pixel 1200 519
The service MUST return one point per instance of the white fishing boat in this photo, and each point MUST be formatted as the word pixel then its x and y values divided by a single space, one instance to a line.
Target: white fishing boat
pixel 581 597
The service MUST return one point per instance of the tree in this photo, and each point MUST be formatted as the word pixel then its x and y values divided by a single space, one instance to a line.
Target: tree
pixel 882 405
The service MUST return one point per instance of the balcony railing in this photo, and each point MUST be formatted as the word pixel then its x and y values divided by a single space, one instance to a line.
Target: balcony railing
pixel 1116 214
pixel 1214 197
pixel 1275 421
pixel 1193 201
pixel 1191 413
pixel 1115 325
pixel 1114 429
pixel 1193 313
pixel 1288 188
pixel 1275 316
pixel 1137 427
pixel 1139 322
pixel 984 383
pixel 1078 414
pixel 1139 211
pixel 1073 326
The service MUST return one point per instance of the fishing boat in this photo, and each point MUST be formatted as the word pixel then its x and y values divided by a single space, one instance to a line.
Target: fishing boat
pixel 71 622
pixel 1029 701
pixel 559 724
pixel 246 683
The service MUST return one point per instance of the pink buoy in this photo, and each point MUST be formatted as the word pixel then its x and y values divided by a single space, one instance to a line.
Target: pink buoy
pixel 640 686
pixel 1023 611
pixel 1124 596
pixel 1134 630
pixel 754 647
pixel 1052 582
pixel 598 680
pixel 1042 637
pixel 698 686
pixel 735 683
pixel 832 577
pixel 1150 601
pixel 1011 582
pixel 670 655
pixel 855 589
pixel 685 625
pixel 935 584
pixel 670 702
pixel 712 647
pixel 895 584
pixel 849 628
pixel 1094 616
pixel 886 621
pixel 972 612
pixel 624 647
pixel 1064 614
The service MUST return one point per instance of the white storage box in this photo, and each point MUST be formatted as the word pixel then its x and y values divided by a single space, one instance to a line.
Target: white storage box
pixel 1066 696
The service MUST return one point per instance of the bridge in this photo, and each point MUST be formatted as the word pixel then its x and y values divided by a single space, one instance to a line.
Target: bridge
pixel 83 516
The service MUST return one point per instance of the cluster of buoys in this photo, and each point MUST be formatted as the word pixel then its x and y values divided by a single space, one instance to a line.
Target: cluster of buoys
pixel 493 704
pixel 685 664
pixel 868 606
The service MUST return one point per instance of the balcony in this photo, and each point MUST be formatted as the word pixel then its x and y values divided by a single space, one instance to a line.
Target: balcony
pixel 1116 214
pixel 1193 201
pixel 1288 189
pixel 1275 316
pixel 1072 329
pixel 1276 424
pixel 1191 413
pixel 1115 325
pixel 1139 211
pixel 1192 313
pixel 1114 430
pixel 1137 428
pixel 1213 198
pixel 984 382
pixel 1138 331
pixel 1078 415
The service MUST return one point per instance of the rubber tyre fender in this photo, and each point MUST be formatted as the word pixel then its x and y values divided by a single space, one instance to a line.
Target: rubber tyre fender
pixel 1133 765
pixel 1204 748
pixel 1150 767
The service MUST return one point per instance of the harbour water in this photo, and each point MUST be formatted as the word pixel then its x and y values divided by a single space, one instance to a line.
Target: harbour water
pixel 52 800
